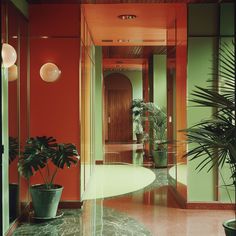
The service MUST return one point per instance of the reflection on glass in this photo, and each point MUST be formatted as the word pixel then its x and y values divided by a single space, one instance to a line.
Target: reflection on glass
pixel 17 36
pixel 13 117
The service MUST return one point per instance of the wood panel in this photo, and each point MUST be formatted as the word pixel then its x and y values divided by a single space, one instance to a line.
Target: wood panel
pixel 118 96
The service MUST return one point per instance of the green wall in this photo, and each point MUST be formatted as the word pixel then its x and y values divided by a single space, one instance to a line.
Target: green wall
pixel 22 5
pixel 202 45
pixel 135 78
pixel 200 51
pixel 226 194
pixel 5 189
pixel 98 106
pixel 159 80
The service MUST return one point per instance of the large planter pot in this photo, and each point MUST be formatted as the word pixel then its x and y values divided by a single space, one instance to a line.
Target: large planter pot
pixel 45 201
pixel 230 227
pixel 159 158
pixel 139 138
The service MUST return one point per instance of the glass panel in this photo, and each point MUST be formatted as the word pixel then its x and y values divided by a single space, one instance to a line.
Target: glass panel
pixel 13 114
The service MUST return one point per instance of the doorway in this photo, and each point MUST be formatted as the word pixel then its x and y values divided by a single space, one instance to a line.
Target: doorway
pixel 117 99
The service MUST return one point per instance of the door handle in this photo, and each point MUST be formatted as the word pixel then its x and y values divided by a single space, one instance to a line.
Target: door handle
pixel 109 119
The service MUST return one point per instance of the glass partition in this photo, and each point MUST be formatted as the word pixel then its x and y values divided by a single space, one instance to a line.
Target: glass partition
pixel 15 33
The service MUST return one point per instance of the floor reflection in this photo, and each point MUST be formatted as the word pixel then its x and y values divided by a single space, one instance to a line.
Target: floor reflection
pixel 152 210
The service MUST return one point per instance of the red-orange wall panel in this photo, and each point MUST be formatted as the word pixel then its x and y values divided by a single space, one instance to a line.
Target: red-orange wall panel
pixel 54 19
pixel 181 79
pixel 54 107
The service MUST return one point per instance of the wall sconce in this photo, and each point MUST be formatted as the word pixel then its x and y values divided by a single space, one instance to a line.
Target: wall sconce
pixel 49 72
pixel 12 73
pixel 9 55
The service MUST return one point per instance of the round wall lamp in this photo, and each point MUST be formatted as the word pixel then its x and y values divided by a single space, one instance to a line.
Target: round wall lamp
pixel 49 72
pixel 12 73
pixel 9 55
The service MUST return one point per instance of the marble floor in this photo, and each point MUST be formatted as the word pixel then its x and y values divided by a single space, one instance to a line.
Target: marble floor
pixel 149 208
pixel 152 210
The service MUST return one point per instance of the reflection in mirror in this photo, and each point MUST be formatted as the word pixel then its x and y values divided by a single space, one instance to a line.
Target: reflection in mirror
pixel 23 103
pixel 13 27
pixel 17 36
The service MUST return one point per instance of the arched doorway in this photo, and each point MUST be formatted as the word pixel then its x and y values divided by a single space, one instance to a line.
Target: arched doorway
pixel 117 102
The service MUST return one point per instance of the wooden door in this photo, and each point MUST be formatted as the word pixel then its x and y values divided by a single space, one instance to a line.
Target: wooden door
pixel 118 119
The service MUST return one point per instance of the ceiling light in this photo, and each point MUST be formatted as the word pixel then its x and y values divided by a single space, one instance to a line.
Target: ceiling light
pixel 127 17
pixel 122 40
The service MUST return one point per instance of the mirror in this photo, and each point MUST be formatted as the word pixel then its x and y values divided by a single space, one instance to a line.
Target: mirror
pixel 17 36
pixel 13 130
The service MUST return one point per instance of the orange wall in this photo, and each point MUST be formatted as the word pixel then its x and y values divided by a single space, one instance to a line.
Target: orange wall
pixel 181 79
pixel 54 107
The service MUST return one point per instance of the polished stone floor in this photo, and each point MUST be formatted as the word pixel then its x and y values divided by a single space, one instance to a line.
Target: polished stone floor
pixel 108 222
pixel 149 211
pixel 152 210
pixel 95 219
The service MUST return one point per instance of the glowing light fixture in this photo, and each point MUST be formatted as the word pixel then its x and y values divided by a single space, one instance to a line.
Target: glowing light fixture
pixel 122 40
pixel 127 17
pixel 12 73
pixel 9 55
pixel 49 72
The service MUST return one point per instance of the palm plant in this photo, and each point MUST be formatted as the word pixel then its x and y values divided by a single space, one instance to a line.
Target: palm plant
pixel 39 151
pixel 214 139
pixel 158 126
pixel 138 112
pixel 137 109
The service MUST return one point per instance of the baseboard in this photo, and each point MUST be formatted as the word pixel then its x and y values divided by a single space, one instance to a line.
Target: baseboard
pixel 99 162
pixel 210 205
pixel 70 204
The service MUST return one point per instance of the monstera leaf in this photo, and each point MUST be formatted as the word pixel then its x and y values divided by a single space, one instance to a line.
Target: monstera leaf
pixel 66 155
pixel 36 154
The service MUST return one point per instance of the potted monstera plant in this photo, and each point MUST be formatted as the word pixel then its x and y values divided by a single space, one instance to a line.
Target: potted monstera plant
pixel 44 155
pixel 214 139
pixel 157 133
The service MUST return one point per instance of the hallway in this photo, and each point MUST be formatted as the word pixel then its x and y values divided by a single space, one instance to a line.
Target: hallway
pixel 152 210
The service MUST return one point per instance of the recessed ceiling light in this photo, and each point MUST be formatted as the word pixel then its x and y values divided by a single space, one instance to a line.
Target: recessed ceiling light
pixel 122 40
pixel 107 40
pixel 127 17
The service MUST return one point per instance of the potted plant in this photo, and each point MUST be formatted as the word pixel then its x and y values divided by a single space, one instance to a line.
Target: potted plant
pixel 157 134
pixel 215 139
pixel 44 155
pixel 138 114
